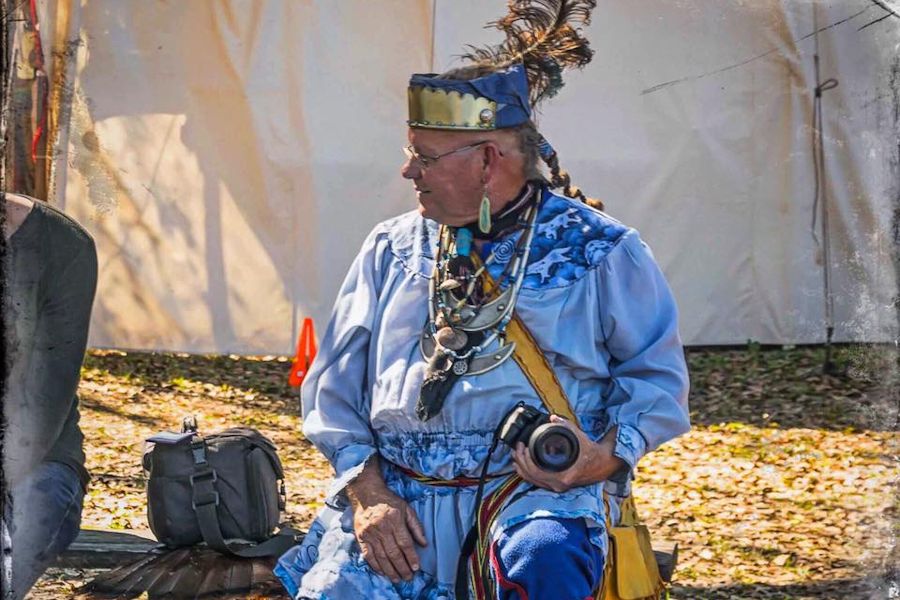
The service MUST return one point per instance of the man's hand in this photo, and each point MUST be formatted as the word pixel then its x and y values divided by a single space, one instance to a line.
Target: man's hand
pixel 595 463
pixel 385 526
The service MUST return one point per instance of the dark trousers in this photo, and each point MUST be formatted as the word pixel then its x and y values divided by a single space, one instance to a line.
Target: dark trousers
pixel 40 522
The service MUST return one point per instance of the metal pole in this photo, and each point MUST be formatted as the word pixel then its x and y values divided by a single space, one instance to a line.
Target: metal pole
pixel 821 199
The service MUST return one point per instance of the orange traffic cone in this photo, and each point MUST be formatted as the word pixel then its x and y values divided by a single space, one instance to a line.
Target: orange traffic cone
pixel 306 352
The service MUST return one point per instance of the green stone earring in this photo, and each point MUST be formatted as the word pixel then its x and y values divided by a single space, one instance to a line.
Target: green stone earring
pixel 484 214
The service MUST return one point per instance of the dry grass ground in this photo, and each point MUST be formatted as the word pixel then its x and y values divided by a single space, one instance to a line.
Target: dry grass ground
pixel 786 488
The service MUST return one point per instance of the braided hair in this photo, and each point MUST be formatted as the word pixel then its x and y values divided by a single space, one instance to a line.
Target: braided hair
pixel 559 178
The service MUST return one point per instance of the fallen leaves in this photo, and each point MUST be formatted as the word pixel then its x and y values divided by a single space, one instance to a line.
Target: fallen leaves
pixel 761 510
pixel 785 488
pixel 750 500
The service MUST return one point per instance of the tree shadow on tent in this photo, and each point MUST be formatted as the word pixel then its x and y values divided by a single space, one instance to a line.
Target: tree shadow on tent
pixel 206 227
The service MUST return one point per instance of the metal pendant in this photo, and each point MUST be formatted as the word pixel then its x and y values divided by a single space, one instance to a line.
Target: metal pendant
pixel 460 367
pixel 482 363
pixel 427 344
pixel 466 314
pixel 490 314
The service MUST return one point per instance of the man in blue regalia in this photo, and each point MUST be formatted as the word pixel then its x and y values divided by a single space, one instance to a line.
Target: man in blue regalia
pixel 496 302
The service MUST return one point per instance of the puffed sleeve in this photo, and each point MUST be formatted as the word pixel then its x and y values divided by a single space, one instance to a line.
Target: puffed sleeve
pixel 649 376
pixel 335 394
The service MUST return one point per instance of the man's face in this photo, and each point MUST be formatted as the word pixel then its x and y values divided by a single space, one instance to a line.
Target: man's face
pixel 449 190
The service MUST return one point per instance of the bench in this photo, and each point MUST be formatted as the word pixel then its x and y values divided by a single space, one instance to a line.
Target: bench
pixel 105 549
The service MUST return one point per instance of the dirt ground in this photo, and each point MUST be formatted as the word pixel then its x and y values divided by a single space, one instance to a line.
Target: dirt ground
pixel 787 487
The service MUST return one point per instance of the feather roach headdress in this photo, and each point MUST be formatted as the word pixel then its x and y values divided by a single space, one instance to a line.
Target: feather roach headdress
pixel 542 40
pixel 498 90
pixel 543 36
pixel 505 82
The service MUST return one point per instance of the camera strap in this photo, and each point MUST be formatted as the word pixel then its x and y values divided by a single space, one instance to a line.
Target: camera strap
pixel 471 567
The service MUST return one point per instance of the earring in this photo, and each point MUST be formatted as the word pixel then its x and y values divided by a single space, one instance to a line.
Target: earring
pixel 484 214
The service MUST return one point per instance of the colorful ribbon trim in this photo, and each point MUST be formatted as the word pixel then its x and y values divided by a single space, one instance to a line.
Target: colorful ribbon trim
pixel 455 482
pixel 479 571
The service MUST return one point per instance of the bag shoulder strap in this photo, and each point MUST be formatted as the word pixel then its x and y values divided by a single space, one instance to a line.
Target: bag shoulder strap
pixel 532 360
pixel 205 500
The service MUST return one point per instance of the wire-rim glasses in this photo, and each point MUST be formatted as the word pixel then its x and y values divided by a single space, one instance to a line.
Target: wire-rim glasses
pixel 423 161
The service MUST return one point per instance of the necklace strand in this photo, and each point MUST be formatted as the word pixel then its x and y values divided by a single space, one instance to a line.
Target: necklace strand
pixel 438 304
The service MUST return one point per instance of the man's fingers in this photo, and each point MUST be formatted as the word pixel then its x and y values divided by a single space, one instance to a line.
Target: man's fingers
pixel 384 559
pixel 517 458
pixel 405 541
pixel 418 532
pixel 523 459
pixel 517 452
pixel 405 560
pixel 530 472
pixel 382 562
pixel 528 461
pixel 369 555
pixel 521 466
pixel 397 560
pixel 387 532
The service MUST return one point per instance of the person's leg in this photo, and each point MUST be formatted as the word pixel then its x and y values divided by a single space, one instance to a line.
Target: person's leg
pixel 546 558
pixel 46 515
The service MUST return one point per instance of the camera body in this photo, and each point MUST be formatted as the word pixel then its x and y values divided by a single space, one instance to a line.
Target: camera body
pixel 552 446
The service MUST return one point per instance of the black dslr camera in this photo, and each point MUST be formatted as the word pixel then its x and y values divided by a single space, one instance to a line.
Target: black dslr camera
pixel 552 446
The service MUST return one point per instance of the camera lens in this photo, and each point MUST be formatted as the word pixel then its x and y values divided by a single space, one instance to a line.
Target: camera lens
pixel 553 447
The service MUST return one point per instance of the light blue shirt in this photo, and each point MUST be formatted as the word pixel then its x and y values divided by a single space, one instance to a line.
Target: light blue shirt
pixel 599 307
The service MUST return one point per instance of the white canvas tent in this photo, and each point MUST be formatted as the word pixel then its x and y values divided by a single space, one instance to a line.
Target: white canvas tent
pixel 229 157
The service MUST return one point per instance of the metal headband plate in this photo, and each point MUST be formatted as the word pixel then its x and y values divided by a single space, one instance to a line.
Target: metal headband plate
pixel 448 109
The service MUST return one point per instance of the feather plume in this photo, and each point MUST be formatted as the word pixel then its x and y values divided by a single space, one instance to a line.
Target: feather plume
pixel 192 573
pixel 544 35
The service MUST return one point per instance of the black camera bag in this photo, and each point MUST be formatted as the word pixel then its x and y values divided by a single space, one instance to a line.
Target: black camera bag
pixel 225 486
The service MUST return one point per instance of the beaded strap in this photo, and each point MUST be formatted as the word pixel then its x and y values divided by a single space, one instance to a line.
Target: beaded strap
pixel 455 482
pixel 479 573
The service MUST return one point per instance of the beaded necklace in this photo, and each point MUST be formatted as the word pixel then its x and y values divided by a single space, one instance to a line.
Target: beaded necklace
pixel 463 321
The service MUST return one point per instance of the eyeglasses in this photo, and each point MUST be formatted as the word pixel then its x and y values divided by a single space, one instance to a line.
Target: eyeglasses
pixel 424 162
